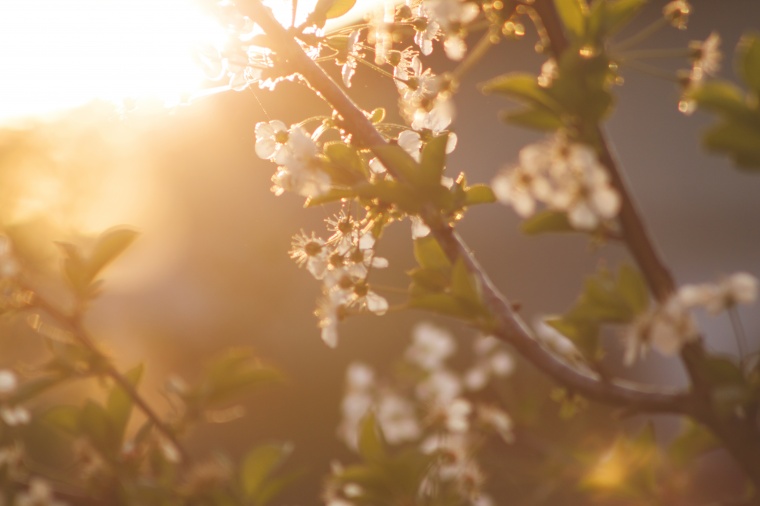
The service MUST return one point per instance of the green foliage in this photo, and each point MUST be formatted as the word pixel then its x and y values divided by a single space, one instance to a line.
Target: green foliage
pixel 443 287
pixel 81 270
pixel 234 372
pixel 258 478
pixel 605 299
pixel 545 222
pixel 737 132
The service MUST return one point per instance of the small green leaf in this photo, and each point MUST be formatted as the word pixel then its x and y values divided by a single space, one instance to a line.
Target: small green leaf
pixel 632 286
pixel 119 403
pixel 333 195
pixel 371 443
pixel 478 194
pixel 535 118
pixel 339 8
pixel 259 464
pixel 394 158
pixel 233 373
pixel 720 97
pixel 429 253
pixel 573 15
pixel 346 166
pixel 433 160
pixel 377 115
pixel 108 247
pixel 693 441
pixel 65 418
pixel 522 87
pixel 749 61
pixel 546 221
pixel 463 285
pixel 95 423
pixel 74 268
pixel 741 141
pixel 618 13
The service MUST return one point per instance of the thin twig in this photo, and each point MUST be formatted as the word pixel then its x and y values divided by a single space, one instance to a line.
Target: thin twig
pixel 738 434
pixel 74 322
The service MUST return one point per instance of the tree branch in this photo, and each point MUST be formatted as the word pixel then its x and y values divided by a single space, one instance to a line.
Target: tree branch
pixel 737 433
pixel 81 334
pixel 509 326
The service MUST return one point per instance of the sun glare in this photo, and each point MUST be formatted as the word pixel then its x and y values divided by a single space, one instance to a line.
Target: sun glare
pixel 58 55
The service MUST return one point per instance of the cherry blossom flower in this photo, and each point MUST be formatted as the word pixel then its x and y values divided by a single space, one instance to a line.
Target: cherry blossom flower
pixel 706 56
pixel 565 177
pixel 667 328
pixel 310 251
pixel 397 418
pixel 431 346
pixel 677 13
pixel 271 137
pixel 353 52
pixel 452 16
pixel 491 360
pixel 496 419
pixel 739 288
pixel 39 493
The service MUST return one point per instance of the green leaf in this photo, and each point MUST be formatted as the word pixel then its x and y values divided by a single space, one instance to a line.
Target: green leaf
pixel 377 115
pixel 693 441
pixel 433 160
pixel 546 221
pixel 346 166
pixel 74 268
pixel 333 195
pixel 234 373
pixel 618 13
pixel 721 97
pixel 573 15
pixel 535 118
pixel 258 466
pixel 96 425
pixel 64 417
pixel 463 285
pixel 522 87
pixel 429 253
pixel 119 403
pixel 722 371
pixel 108 247
pixel 339 8
pixel 371 443
pixel 395 159
pixel 633 287
pixel 739 140
pixel 478 194
pixel 749 61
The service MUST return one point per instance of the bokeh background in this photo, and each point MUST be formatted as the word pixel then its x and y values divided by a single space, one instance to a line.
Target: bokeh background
pixel 211 269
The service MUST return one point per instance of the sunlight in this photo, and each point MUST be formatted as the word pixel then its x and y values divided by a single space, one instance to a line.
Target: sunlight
pixel 58 55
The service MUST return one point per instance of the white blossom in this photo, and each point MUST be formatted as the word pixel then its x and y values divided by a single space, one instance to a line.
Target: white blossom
pixel 431 346
pixel 667 328
pixel 565 177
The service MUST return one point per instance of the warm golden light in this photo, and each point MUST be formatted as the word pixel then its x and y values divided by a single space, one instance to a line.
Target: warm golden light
pixel 56 55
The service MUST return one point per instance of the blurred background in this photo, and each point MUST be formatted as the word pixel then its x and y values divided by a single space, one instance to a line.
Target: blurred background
pixel 211 269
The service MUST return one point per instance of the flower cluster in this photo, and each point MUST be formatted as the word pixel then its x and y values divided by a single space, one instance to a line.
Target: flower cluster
pixel 343 263
pixel 564 176
pixel 667 327
pixel 434 412
pixel 295 153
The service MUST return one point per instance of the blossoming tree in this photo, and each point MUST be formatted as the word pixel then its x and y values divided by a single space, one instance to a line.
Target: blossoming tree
pixel 440 429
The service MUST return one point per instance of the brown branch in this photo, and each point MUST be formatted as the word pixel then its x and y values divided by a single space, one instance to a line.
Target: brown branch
pixel 737 433
pixel 80 333
pixel 508 325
